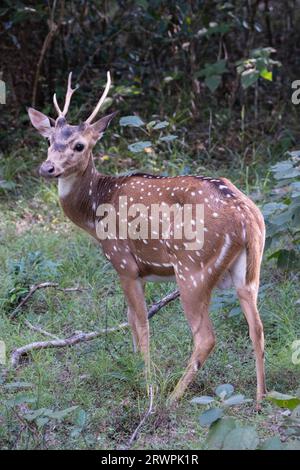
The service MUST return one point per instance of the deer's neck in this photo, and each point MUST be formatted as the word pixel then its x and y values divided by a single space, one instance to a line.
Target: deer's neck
pixel 80 195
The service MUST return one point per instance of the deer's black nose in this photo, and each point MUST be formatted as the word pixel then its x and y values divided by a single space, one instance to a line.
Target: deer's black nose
pixel 47 169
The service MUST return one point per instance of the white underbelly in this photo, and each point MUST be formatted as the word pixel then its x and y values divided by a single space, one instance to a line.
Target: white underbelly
pixel 156 278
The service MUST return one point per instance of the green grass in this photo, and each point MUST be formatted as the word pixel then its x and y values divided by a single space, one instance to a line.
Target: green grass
pixel 103 377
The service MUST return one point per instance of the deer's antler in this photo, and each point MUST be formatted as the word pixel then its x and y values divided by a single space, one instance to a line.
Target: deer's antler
pixel 100 102
pixel 70 91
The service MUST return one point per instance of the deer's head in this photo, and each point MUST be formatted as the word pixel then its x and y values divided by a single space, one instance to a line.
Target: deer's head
pixel 70 146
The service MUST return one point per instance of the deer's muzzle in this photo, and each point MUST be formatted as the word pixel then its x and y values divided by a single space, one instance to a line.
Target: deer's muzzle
pixel 47 170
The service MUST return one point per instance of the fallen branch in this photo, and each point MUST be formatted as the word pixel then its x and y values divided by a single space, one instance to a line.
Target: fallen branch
pixel 42 285
pixel 78 336
pixel 143 420
pixel 161 303
pixel 40 330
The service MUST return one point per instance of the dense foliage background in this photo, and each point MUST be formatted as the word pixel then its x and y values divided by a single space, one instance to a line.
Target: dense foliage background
pixel 210 84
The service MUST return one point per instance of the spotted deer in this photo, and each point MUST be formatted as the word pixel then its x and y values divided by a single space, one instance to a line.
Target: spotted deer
pixel 229 253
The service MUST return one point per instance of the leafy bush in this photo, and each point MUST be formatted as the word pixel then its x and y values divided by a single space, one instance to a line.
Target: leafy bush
pixel 24 272
pixel 226 433
pixel 282 215
pixel 224 398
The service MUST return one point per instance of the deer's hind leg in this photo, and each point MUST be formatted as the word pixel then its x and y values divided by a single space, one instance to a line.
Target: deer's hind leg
pixel 195 301
pixel 247 294
pixel 138 317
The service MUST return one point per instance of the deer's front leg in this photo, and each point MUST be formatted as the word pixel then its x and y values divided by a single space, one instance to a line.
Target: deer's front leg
pixel 138 316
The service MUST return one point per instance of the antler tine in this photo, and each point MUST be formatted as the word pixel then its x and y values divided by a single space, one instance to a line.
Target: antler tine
pixel 100 102
pixel 69 94
pixel 70 91
pixel 59 112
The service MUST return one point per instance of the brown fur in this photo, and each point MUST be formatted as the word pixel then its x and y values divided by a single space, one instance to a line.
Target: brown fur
pixel 233 241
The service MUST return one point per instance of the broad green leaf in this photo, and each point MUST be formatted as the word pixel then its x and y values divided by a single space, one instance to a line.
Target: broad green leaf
pixel 80 418
pixel 131 121
pixel 273 443
pixel 282 218
pixel 204 400
pixel 282 166
pixel 218 431
pixel 234 312
pixel 249 77
pixel 224 391
pixel 7 185
pixel 292 444
pixel 287 174
pixel 210 416
pixel 160 125
pixel 40 422
pixel 271 207
pixel 20 399
pixel 16 385
pixel 266 74
pixel 236 400
pixel 139 146
pixel 241 438
pixel 213 82
pixel 60 415
pixel 168 138
pixel 34 414
pixel 283 400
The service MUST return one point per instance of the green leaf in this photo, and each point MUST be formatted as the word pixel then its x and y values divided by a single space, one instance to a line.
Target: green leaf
pixel 284 401
pixel 139 146
pixel 60 415
pixel 7 185
pixel 131 121
pixel 35 414
pixel 241 438
pixel 160 125
pixel 16 385
pixel 249 77
pixel 210 416
pixel 213 82
pixel 293 444
pixel 19 400
pixel 40 422
pixel 271 207
pixel 236 400
pixel 80 418
pixel 266 74
pixel 168 138
pixel 273 443
pixel 224 390
pixel 204 400
pixel 234 312
pixel 218 431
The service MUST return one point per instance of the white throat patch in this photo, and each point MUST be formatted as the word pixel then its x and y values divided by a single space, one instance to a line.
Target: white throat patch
pixel 65 185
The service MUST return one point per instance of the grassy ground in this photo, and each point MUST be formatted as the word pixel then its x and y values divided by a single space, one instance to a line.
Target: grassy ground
pixel 103 378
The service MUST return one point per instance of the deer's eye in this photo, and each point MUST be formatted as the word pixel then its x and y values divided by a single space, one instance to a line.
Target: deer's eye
pixel 79 147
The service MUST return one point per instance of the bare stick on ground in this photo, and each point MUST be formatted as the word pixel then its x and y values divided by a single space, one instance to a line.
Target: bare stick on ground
pixel 77 336
pixel 135 433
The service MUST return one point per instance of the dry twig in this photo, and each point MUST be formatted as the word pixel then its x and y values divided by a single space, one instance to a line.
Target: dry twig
pixel 143 420
pixel 77 336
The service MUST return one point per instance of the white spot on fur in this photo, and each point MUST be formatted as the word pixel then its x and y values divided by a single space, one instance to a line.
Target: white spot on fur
pixel 223 251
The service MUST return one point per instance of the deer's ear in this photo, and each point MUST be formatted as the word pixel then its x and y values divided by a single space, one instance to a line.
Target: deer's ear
pixel 101 125
pixel 40 121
